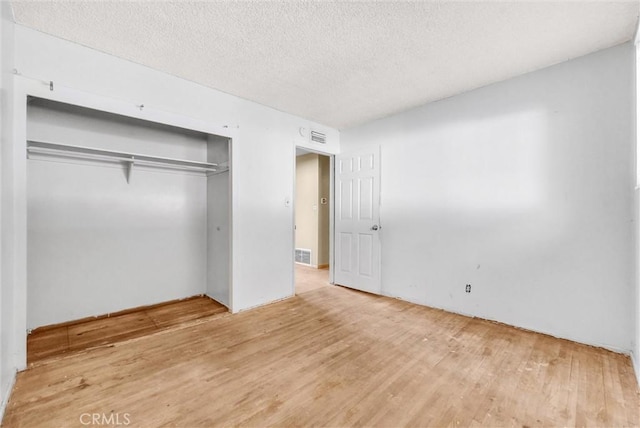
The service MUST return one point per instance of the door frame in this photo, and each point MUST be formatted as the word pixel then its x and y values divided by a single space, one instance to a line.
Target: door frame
pixel 331 157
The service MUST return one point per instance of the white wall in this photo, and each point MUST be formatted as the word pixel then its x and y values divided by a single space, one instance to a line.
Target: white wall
pixel 218 223
pixel 636 343
pixel 522 189
pixel 635 350
pixel 98 243
pixel 8 327
pixel 262 160
pixel 262 163
pixel 3 357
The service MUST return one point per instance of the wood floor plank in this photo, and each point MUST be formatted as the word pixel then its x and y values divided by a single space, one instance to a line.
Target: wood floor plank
pixel 309 278
pixel 109 330
pixel 334 357
pixel 184 311
pixel 49 342
pixel 53 341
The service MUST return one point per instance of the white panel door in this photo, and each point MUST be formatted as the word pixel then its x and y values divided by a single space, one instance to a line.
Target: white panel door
pixel 357 220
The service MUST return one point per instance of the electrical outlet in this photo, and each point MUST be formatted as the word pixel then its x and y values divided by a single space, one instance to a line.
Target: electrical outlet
pixel 467 288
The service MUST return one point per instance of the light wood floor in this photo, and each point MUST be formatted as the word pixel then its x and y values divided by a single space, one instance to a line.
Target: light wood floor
pixel 334 357
pixel 52 341
pixel 309 278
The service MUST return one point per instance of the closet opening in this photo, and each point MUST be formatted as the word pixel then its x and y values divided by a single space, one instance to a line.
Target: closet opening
pixel 128 227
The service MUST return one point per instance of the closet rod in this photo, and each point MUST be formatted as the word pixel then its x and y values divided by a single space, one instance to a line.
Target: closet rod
pixel 81 152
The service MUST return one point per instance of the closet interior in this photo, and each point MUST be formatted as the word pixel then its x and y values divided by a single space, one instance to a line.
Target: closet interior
pixel 121 213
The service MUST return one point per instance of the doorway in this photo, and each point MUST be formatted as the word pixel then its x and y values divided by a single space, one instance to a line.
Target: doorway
pixel 312 227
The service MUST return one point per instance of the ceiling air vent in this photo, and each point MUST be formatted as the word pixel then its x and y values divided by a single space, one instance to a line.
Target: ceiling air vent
pixel 318 137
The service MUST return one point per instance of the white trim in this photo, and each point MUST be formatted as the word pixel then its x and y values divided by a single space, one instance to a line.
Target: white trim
pixel 451 310
pixel 232 209
pixel 7 396
pixel 636 234
pixel 332 215
pixel 636 366
pixel 26 86
pixel 17 170
pixel 293 219
pixel 259 305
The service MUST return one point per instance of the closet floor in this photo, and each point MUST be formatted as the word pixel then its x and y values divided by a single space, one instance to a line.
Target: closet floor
pixel 51 341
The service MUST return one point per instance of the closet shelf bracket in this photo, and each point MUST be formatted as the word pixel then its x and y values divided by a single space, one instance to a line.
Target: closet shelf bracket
pixel 130 169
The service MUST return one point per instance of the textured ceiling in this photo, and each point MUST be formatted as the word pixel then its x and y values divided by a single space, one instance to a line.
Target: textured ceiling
pixel 339 63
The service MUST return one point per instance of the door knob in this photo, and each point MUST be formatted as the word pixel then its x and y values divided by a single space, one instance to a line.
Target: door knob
pixel 374 227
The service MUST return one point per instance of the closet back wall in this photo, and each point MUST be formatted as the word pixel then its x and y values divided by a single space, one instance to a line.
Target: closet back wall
pixel 98 244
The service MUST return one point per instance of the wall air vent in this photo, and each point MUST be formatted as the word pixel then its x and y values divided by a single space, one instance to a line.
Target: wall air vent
pixel 318 137
pixel 303 256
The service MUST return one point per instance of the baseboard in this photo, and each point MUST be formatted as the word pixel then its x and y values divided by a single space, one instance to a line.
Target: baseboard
pixel 115 314
pixel 635 361
pixel 608 347
pixel 249 308
pixel 217 300
pixel 7 396
pixel 322 266
pixel 305 264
